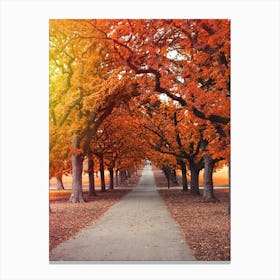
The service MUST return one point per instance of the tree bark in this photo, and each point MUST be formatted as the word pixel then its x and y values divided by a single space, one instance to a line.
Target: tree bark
pixel 173 177
pixel 77 170
pixel 117 177
pixel 168 181
pixel 59 183
pixel 111 171
pixel 123 176
pixel 194 180
pixel 102 175
pixel 184 175
pixel 92 191
pixel 166 171
pixel 208 190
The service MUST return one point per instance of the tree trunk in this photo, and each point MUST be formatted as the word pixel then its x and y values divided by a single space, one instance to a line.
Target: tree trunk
pixel 123 176
pixel 184 175
pixel 194 181
pixel 173 177
pixel 77 169
pixel 117 177
pixel 166 171
pixel 92 191
pixel 102 175
pixel 59 183
pixel 111 171
pixel 208 190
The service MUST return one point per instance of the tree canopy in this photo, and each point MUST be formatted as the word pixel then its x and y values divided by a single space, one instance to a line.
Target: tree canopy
pixel 134 89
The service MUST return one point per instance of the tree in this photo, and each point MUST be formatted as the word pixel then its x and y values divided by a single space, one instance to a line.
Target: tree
pixel 82 96
pixel 190 54
pixel 91 175
pixel 99 65
pixel 60 156
pixel 188 60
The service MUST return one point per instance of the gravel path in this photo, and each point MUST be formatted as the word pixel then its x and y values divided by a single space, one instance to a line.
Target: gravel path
pixel 138 228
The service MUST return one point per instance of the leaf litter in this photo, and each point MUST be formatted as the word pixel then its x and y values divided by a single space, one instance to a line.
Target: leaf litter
pixel 205 226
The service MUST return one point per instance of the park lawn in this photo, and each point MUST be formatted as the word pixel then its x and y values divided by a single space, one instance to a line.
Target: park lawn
pixel 206 226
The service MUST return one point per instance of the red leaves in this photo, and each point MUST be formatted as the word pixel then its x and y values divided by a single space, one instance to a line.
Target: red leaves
pixel 206 226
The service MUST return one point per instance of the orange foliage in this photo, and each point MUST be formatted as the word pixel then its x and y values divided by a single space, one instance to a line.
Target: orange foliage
pixel 116 86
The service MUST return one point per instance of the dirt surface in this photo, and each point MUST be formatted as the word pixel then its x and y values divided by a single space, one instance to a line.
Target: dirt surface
pixel 138 228
pixel 206 226
pixel 67 219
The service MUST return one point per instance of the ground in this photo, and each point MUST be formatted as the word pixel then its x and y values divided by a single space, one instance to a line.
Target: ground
pixel 66 219
pixel 206 226
pixel 137 228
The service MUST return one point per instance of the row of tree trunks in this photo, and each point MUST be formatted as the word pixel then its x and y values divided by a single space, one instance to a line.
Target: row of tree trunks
pixel 92 191
pixel 170 175
pixel 77 165
pixel 208 189
pixel 123 176
pixel 173 177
